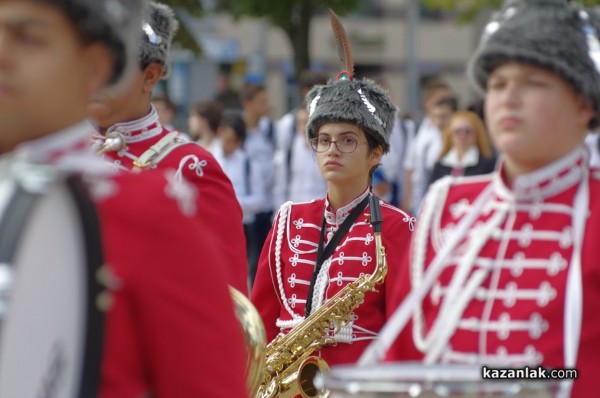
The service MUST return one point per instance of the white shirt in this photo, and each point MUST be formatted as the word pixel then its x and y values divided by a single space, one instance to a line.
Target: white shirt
pixel 262 151
pixel 470 158
pixel 247 184
pixel 302 182
pixel 392 163
pixel 422 156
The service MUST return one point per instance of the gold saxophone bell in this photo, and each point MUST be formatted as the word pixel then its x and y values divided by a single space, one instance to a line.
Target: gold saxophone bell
pixel 255 337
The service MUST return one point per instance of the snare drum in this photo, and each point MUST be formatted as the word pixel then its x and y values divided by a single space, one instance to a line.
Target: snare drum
pixel 409 380
pixel 50 252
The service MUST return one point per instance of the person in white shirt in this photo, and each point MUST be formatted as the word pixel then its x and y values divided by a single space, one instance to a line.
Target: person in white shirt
pixel 425 151
pixel 260 147
pixel 297 177
pixel 243 172
pixel 203 121
pixel 392 163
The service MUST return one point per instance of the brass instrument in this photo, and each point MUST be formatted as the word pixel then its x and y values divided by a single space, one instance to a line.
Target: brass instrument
pixel 114 142
pixel 290 367
pixel 255 338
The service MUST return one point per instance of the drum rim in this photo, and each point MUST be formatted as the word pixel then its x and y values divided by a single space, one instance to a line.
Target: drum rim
pixel 93 346
pixel 403 376
pixel 410 370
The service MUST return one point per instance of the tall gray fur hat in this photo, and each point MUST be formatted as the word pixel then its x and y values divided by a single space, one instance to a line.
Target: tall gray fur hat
pixel 113 22
pixel 551 34
pixel 159 29
pixel 361 102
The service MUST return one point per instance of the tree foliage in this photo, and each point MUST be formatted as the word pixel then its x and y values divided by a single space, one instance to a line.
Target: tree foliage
pixel 184 36
pixel 468 9
pixel 292 16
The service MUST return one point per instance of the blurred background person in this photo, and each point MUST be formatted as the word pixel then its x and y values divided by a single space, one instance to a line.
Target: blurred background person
pixel 466 150
pixel 237 165
pixel 297 177
pixel 426 149
pixel 388 180
pixel 203 121
pixel 166 110
pixel 260 148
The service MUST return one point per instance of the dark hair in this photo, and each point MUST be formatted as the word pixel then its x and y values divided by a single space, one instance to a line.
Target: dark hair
pixel 92 28
pixel 450 102
pixel 209 110
pixel 431 85
pixel 233 118
pixel 310 78
pixel 251 90
pixel 372 144
pixel 165 100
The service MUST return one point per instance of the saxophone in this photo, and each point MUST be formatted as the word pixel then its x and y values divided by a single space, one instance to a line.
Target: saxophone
pixel 290 366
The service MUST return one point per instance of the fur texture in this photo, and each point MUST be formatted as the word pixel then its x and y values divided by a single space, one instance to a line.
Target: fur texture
pixel 113 22
pixel 164 24
pixel 545 33
pixel 342 101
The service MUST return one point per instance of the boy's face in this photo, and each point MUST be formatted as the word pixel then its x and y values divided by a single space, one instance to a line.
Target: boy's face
pixel 198 127
pixel 229 140
pixel 259 105
pixel 126 103
pixel 440 116
pixel 533 115
pixel 46 74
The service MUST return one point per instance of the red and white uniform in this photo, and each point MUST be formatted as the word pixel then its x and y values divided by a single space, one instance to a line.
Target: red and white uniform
pixel 288 260
pixel 214 198
pixel 170 312
pixel 521 286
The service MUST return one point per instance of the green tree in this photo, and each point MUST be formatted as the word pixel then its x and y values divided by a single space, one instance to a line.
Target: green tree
pixel 292 16
pixel 468 9
pixel 184 36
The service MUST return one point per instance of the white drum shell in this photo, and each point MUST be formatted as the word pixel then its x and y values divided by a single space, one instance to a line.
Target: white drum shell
pixel 410 380
pixel 42 334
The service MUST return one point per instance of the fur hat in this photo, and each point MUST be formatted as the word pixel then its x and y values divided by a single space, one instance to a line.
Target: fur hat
pixel 113 22
pixel 552 34
pixel 159 29
pixel 361 102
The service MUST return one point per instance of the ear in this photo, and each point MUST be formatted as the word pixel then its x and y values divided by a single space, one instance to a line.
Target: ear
pixel 99 63
pixel 586 111
pixel 152 74
pixel 375 155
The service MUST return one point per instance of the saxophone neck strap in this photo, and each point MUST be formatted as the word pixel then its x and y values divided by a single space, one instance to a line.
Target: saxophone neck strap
pixel 324 252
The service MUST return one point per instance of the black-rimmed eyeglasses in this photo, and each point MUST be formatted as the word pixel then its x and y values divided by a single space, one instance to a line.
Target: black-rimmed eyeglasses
pixel 344 145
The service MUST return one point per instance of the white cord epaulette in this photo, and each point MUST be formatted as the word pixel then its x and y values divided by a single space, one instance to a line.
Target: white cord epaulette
pixel 159 151
pixel 282 220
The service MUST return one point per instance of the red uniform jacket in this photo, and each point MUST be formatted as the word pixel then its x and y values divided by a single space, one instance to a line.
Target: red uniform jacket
pixel 285 270
pixel 164 333
pixel 210 188
pixel 504 297
pixel 171 330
